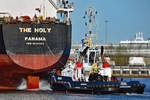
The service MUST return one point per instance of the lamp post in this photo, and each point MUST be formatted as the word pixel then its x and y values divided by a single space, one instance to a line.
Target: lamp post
pixel 106 30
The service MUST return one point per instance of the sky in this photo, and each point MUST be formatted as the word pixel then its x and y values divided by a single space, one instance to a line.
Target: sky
pixel 125 19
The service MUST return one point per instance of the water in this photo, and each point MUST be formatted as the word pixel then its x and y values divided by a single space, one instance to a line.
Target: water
pixel 23 85
pixel 145 96
pixel 101 97
pixel 56 96
pixel 43 85
pixel 48 95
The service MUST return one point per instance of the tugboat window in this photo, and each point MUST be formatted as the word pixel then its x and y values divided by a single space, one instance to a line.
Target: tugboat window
pixel 85 59
pixel 91 57
pixel 97 55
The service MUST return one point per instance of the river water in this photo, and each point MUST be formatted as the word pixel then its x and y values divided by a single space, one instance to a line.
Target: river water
pixel 48 95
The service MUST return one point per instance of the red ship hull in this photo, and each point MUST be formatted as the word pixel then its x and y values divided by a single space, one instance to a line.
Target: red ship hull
pixel 11 74
pixel 30 49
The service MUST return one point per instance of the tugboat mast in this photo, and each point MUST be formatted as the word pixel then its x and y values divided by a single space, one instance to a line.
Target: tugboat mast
pixel 89 14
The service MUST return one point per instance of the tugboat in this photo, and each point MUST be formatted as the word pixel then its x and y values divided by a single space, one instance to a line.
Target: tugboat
pixel 80 80
pixel 90 73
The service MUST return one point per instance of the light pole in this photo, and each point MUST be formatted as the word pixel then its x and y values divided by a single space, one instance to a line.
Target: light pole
pixel 106 27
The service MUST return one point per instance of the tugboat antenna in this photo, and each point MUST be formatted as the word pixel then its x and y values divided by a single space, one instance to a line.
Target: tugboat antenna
pixel 90 26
